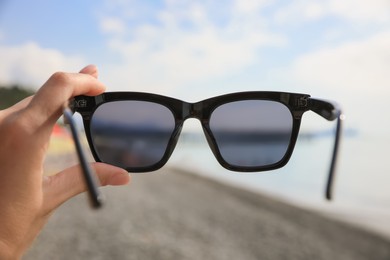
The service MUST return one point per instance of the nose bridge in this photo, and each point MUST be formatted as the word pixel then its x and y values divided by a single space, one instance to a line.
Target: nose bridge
pixel 192 110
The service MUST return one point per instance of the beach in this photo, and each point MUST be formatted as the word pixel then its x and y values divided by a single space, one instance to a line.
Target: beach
pixel 172 214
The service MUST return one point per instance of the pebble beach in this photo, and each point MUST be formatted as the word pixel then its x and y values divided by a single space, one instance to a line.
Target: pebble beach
pixel 172 214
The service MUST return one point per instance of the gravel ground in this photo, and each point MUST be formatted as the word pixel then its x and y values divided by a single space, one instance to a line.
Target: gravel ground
pixel 176 215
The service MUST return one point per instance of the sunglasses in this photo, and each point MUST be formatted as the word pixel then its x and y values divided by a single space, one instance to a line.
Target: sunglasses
pixel 246 131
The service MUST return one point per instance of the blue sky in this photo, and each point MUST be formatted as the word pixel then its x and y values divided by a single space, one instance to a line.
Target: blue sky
pixel 196 49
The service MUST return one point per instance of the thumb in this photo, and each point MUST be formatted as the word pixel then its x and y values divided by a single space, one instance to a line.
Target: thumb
pixel 61 187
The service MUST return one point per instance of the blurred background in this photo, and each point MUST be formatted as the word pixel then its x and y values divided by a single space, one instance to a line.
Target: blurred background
pixel 192 50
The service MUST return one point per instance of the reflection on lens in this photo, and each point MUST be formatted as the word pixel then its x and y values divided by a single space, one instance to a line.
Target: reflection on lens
pixel 131 134
pixel 252 133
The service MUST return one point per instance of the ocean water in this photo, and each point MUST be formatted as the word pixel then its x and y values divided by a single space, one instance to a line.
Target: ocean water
pixel 361 191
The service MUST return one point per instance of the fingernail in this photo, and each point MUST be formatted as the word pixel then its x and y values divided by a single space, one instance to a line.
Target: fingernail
pixel 90 69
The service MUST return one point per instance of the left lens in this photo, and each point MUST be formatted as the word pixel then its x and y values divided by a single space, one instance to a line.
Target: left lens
pixel 131 134
pixel 252 133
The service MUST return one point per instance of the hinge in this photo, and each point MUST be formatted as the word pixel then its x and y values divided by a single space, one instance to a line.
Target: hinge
pixel 302 102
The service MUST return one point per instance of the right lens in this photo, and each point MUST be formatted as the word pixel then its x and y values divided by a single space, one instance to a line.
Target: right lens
pixel 252 133
pixel 131 134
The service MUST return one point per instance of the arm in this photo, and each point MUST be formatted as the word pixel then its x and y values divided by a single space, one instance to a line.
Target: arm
pixel 329 111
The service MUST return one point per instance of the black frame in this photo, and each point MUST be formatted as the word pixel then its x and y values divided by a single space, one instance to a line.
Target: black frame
pixel 298 104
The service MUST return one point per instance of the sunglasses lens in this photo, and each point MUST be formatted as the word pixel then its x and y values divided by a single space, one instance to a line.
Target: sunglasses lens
pixel 131 134
pixel 252 133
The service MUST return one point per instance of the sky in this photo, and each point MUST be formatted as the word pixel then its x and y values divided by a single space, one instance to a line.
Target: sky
pixel 192 50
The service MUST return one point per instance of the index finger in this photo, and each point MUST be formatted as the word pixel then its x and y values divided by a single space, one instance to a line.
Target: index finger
pixel 48 102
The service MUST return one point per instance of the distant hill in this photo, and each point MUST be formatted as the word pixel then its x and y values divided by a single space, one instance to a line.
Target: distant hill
pixel 13 94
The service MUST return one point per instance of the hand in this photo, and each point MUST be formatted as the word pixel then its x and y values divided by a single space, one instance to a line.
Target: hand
pixel 27 198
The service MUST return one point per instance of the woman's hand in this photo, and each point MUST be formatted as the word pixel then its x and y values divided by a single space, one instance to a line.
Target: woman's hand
pixel 27 198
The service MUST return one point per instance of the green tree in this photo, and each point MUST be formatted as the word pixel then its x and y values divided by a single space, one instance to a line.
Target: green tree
pixel 13 94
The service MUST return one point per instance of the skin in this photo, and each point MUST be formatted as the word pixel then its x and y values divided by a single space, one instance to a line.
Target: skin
pixel 27 197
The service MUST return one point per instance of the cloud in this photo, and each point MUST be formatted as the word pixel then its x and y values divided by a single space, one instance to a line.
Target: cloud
pixel 360 11
pixel 31 65
pixel 250 6
pixel 180 44
pixel 112 25
pixel 356 66
pixel 356 74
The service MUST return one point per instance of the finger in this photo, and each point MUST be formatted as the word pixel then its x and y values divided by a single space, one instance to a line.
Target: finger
pixel 50 99
pixel 91 70
pixel 70 182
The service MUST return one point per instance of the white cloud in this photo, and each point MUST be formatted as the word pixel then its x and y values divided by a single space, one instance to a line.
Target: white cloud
pixel 356 74
pixel 185 42
pixel 176 57
pixel 189 43
pixel 354 66
pixel 360 11
pixel 249 6
pixel 31 65
pixel 112 25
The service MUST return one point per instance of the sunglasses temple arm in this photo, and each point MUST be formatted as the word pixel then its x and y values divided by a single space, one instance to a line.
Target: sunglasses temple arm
pixel 330 111
pixel 96 198
pixel 332 170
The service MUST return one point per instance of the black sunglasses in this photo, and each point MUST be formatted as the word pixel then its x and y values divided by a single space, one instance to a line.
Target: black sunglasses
pixel 246 131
